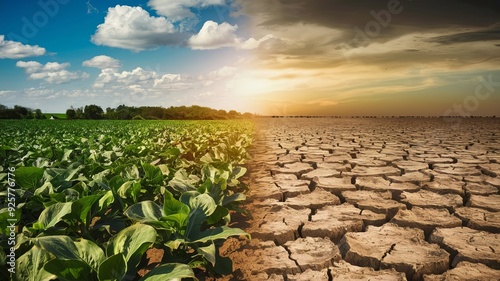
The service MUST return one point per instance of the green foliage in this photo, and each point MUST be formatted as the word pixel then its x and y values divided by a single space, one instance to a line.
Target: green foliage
pixel 169 271
pixel 93 196
pixel 19 112
pixel 93 112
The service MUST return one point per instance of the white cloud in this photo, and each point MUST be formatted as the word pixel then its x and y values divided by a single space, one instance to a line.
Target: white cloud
pixel 15 50
pixel 174 82
pixel 213 36
pixel 134 29
pixel 6 92
pixel 38 92
pixel 253 43
pixel 102 62
pixel 51 72
pixel 223 72
pixel 206 94
pixel 177 10
pixel 140 81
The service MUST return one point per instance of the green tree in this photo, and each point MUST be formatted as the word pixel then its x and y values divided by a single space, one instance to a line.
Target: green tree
pixel 71 113
pixel 79 113
pixel 93 112
pixel 110 113
pixel 23 112
pixel 38 114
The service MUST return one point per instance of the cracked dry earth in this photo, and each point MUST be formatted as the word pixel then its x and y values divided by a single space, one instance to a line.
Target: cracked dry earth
pixel 372 199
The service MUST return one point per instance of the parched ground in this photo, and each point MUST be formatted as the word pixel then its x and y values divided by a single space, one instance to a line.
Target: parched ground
pixel 372 199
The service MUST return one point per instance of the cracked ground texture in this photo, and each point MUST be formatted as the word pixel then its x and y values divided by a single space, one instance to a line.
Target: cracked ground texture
pixel 372 199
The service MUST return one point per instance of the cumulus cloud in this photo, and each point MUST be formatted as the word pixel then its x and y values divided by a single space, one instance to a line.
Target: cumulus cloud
pixel 6 92
pixel 102 62
pixel 134 29
pixel 111 77
pixel 15 50
pixel 177 10
pixel 213 36
pixel 222 73
pixel 51 72
pixel 140 80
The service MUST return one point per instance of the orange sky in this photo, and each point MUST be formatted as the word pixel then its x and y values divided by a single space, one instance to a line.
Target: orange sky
pixel 326 57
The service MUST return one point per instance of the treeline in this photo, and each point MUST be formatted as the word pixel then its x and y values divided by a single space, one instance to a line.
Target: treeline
pixel 20 112
pixel 124 112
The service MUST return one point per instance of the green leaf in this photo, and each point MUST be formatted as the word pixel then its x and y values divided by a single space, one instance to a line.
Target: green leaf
pixel 46 189
pixel 60 246
pixel 69 270
pixel 52 215
pixel 89 252
pixel 29 266
pixel 164 168
pixel 82 188
pixel 144 211
pixel 71 194
pixel 5 215
pixel 67 154
pixel 221 232
pixel 169 271
pixel 207 159
pixel 130 189
pixel 111 225
pixel 152 174
pixel 182 182
pixel 29 177
pixel 82 207
pixel 220 212
pixel 104 202
pixel 171 154
pixel 133 242
pixel 238 172
pixel 223 265
pixel 113 269
pixel 202 206
pixel 187 196
pixel 115 182
pixel 208 252
pixel 172 206
pixel 233 198
pixel 203 202
pixel 175 244
pixel 4 149
pixel 131 172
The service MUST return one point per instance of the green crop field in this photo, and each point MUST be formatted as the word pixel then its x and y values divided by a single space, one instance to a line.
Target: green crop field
pixel 85 200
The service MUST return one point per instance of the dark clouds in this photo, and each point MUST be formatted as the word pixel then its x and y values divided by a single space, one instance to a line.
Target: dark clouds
pixel 481 35
pixel 348 56
pixel 413 16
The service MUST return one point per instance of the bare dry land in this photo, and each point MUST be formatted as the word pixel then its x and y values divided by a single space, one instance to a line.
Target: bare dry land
pixel 377 199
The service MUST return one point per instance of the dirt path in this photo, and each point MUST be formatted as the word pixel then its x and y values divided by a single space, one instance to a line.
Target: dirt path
pixel 377 199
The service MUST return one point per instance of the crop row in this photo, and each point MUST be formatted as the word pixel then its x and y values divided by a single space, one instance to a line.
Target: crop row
pixel 90 198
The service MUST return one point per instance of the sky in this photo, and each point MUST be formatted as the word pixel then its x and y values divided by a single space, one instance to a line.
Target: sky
pixel 271 57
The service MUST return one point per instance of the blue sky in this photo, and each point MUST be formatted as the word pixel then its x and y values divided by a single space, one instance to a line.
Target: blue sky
pixel 297 57
pixel 45 32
